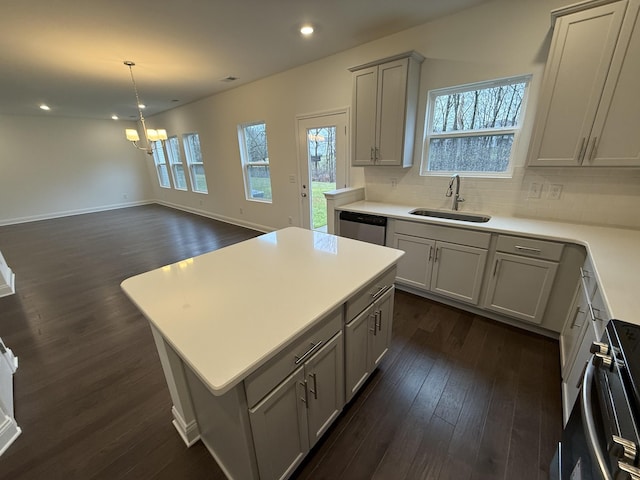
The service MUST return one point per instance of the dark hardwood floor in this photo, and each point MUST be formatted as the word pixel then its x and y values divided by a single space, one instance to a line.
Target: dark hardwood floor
pixel 457 397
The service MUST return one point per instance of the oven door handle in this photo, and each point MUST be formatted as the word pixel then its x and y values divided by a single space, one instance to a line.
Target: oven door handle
pixel 589 423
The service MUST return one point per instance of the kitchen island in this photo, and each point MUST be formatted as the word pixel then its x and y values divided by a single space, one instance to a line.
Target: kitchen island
pixel 252 339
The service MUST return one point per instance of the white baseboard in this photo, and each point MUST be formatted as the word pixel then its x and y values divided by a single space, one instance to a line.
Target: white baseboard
pixel 8 288
pixel 9 431
pixel 69 213
pixel 222 218
pixel 188 431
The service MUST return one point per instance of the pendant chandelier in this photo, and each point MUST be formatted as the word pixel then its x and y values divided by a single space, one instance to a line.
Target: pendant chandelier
pixel 150 135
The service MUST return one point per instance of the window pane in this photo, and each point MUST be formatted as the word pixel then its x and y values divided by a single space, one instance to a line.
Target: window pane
pixel 484 108
pixel 158 153
pixel 198 178
pixel 486 153
pixel 194 160
pixel 254 155
pixel 179 177
pixel 259 182
pixel 163 176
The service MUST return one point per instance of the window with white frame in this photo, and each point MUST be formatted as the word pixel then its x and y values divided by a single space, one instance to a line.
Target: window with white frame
pixel 472 128
pixel 161 165
pixel 252 139
pixel 175 162
pixel 193 153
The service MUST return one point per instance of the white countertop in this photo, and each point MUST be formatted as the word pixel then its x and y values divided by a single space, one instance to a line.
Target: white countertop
pixel 228 311
pixel 615 252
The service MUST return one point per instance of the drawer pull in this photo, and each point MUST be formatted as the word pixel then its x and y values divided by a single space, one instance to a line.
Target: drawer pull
pixel 536 251
pixel 308 353
pixel 593 314
pixel 380 291
pixel 581 152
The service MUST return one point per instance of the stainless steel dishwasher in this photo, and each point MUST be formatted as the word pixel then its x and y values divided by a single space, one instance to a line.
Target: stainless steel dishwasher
pixel 363 226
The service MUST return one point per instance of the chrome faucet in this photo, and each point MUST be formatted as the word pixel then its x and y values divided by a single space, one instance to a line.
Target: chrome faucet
pixel 456 199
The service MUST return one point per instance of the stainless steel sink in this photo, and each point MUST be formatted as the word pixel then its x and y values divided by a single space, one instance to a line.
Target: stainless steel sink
pixel 465 217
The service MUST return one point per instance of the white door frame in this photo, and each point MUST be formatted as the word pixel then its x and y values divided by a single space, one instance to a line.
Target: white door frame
pixel 302 156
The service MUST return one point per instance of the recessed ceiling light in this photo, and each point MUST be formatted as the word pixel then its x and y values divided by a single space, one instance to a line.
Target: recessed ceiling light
pixel 45 107
pixel 114 117
pixel 142 105
pixel 306 30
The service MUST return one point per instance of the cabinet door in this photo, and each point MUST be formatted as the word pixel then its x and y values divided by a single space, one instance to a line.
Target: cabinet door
pixel 325 384
pixel 392 98
pixel 573 331
pixel 458 271
pixel 365 88
pixel 615 139
pixel 580 56
pixel 520 286
pixel 279 425
pixel 380 338
pixel 414 268
pixel 357 365
pixel 571 386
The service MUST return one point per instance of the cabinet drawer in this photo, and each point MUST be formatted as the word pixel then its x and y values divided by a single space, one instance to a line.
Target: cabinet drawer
pixel 367 294
pixel 445 234
pixel 263 380
pixel 529 247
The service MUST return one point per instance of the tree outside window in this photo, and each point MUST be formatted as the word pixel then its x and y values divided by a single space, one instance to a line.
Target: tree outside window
pixel 473 128
pixel 254 155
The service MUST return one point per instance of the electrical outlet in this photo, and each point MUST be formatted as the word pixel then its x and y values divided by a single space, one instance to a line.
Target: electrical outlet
pixel 290 220
pixel 394 182
pixel 555 190
pixel 241 211
pixel 535 190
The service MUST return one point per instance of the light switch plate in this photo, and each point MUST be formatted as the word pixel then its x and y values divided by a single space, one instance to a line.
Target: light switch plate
pixel 535 190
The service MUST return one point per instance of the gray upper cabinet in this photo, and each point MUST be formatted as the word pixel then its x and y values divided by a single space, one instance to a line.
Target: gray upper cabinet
pixel 385 99
pixel 589 111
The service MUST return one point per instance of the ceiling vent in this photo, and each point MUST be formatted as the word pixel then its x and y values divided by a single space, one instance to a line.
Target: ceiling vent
pixel 228 79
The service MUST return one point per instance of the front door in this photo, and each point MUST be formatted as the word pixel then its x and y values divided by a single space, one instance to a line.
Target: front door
pixel 322 152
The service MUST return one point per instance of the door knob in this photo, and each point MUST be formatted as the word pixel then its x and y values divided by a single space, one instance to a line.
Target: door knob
pixel 303 194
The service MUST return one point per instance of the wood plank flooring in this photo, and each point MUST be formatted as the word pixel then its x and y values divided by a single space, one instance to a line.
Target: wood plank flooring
pixel 457 397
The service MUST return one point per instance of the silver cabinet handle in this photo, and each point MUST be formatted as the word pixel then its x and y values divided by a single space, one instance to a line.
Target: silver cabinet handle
pixel 306 394
pixel 584 273
pixel 537 251
pixel 372 157
pixel 575 317
pixel 430 252
pixel 592 313
pixel 583 144
pixel 495 267
pixel 308 353
pixel 592 153
pixel 375 324
pixel 380 291
pixel 314 390
pixel 589 423
pixel 436 257
pixel 378 320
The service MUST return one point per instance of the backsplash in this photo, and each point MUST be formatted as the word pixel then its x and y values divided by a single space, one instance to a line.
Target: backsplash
pixel 596 196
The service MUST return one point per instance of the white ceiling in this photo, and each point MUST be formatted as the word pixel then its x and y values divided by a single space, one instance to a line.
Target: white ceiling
pixel 69 53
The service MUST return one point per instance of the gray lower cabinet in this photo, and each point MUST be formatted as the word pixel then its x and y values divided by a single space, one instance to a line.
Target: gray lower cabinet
pixel 445 268
pixel 522 277
pixel 367 339
pixel 292 417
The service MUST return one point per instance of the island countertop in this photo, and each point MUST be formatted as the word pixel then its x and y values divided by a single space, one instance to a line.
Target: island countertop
pixel 228 311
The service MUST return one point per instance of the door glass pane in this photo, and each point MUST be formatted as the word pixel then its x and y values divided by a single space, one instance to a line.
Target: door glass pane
pixel 321 148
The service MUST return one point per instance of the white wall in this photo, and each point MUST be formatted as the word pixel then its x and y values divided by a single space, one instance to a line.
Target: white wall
pixel 496 39
pixel 53 166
